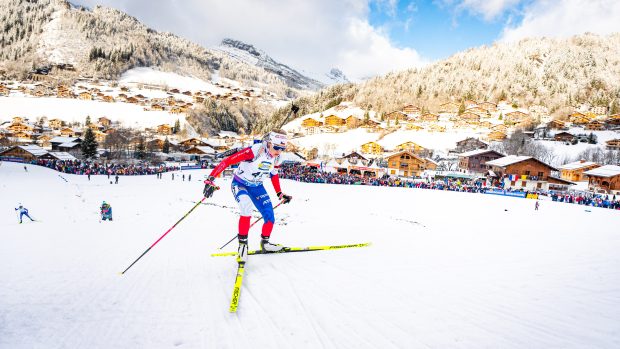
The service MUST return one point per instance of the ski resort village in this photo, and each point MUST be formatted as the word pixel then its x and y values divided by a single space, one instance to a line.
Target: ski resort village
pixel 366 174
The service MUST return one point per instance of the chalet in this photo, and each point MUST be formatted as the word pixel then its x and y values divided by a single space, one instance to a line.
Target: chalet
pixel 414 148
pixel 396 116
pixel 405 163
pixel 411 109
pixel 4 91
pixel 198 99
pixel 22 136
pixel 187 93
pixel 489 107
pixel 475 161
pixel 371 148
pixel 413 126
pixel 86 96
pixel 188 143
pixel 598 110
pixel 470 117
pixel 496 136
pixel 44 140
pixel 450 107
pixel 515 117
pixel 105 122
pixel 25 152
pixel 436 128
pixel 309 153
pixel 469 103
pixel 578 118
pixel 574 171
pixel 310 122
pixel 63 142
pixel 595 125
pixel 476 110
pixel 604 179
pixel 333 120
pixel 69 132
pixel 556 125
pixel 564 137
pixel 157 107
pixel 201 150
pixel 500 128
pixel 20 127
pixel 613 144
pixel 164 129
pixel 470 143
pixel 58 155
pixel 99 136
pixel 312 130
pixel 353 122
pixel 108 99
pixel 429 117
pixel 524 172
pixel 55 124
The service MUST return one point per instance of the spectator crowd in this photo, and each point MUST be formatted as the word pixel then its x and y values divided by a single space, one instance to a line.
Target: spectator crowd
pixel 94 168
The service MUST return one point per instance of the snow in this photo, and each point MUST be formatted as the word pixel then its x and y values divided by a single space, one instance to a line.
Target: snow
pixel 433 277
pixel 605 171
pixel 576 165
pixel 507 160
pixel 76 110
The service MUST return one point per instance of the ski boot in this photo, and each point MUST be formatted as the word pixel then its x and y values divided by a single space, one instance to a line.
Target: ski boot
pixel 268 247
pixel 242 252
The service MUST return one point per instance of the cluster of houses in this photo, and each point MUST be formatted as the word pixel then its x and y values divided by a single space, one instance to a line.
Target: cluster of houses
pixel 497 119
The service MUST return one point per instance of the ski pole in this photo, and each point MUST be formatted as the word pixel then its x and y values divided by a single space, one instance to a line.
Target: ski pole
pixel 251 225
pixel 161 237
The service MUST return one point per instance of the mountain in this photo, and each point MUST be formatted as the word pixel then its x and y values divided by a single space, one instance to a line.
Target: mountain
pixel 559 74
pixel 104 42
pixel 248 54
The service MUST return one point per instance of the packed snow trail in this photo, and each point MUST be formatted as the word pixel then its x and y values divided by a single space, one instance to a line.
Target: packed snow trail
pixel 445 269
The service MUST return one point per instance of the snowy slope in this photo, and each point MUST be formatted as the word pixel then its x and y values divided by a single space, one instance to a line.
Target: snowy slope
pixel 433 278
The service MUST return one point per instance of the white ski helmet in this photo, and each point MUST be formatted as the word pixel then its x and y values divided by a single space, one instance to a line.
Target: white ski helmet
pixel 277 138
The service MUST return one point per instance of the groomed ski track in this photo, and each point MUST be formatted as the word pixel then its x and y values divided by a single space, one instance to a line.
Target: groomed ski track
pixel 445 269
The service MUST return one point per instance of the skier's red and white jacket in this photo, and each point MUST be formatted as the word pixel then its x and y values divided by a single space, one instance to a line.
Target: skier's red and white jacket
pixel 255 165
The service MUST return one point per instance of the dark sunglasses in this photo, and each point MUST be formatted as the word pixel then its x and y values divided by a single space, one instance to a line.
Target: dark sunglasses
pixel 278 147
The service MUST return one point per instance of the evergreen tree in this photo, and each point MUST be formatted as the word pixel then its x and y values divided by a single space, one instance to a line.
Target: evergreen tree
pixel 592 138
pixel 89 145
pixel 87 121
pixel 166 146
pixel 462 108
pixel 141 149
pixel 366 117
pixel 177 127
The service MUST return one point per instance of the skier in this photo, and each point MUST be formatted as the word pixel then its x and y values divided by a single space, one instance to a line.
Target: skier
pixel 536 206
pixel 116 179
pixel 23 212
pixel 255 164
pixel 106 211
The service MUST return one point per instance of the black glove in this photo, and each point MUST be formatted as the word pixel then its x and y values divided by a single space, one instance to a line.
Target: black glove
pixel 210 187
pixel 284 198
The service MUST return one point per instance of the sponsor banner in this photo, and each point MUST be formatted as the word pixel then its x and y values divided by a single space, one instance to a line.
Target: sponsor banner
pixel 191 167
pixel 517 194
pixel 11 159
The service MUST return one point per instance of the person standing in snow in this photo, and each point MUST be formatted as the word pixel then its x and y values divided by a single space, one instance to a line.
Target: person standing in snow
pixel 23 212
pixel 256 163
pixel 536 206
pixel 106 211
pixel 116 179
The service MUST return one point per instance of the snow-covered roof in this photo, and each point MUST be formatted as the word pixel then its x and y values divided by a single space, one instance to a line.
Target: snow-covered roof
pixel 68 145
pixel 576 165
pixel 604 171
pixel 205 149
pixel 229 134
pixel 63 139
pixel 33 149
pixel 507 160
pixel 475 152
pixel 61 155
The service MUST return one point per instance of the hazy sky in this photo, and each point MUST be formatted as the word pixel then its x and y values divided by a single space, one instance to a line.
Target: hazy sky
pixel 364 38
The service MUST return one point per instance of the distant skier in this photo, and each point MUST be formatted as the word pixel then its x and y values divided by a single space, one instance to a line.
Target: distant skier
pixel 23 212
pixel 256 163
pixel 536 206
pixel 116 179
pixel 106 211
pixel 189 179
pixel 25 168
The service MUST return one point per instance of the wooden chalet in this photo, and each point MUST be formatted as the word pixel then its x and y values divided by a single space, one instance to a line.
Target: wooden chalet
pixel 429 117
pixel 496 136
pixel 574 171
pixel 578 118
pixel 28 152
pixel 55 124
pixel 470 117
pixel 564 137
pixel 414 148
pixel 469 144
pixel 477 110
pixel 353 122
pixel 105 122
pixel 515 117
pixel 164 129
pixel 449 107
pixel 613 144
pixel 4 91
pixel 500 128
pixel 333 120
pixel 595 125
pixel 190 142
pixel 524 172
pixel 490 107
pixel 405 163
pixel 396 116
pixel 469 103
pixel 69 132
pixel 86 96
pixel 411 109
pixel 156 107
pixel 604 179
pixel 60 143
pixel 371 148
pixel 310 122
pixel 556 125
pixel 474 161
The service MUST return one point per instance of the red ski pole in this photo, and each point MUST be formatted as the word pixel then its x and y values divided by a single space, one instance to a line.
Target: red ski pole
pixel 155 243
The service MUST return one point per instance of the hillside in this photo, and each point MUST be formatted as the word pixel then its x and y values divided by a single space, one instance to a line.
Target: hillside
pixel 104 42
pixel 555 73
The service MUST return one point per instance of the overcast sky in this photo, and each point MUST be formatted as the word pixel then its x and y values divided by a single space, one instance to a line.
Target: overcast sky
pixel 365 38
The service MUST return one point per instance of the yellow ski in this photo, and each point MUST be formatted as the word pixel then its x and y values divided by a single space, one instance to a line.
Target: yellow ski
pixel 295 249
pixel 237 290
